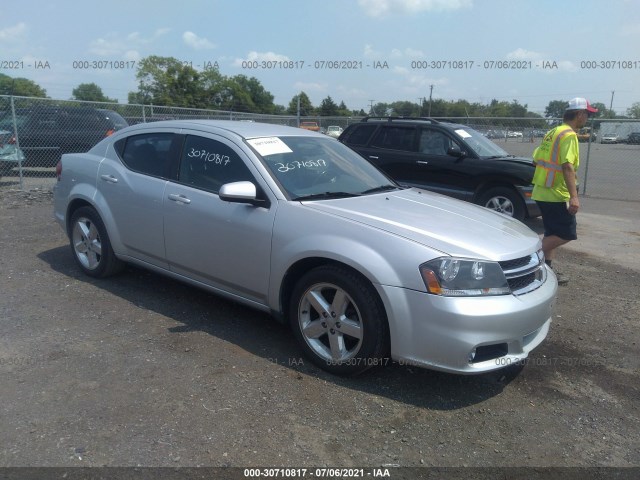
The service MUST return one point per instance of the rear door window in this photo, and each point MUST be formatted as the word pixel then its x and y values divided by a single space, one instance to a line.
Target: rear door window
pixel 360 135
pixel 208 164
pixel 396 138
pixel 148 153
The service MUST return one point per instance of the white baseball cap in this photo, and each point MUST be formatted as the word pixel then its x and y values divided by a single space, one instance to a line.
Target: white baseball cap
pixel 580 103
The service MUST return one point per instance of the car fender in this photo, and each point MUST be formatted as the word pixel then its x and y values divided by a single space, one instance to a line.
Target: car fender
pixel 381 257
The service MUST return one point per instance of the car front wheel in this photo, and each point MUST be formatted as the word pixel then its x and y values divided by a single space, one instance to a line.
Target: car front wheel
pixel 90 244
pixel 503 200
pixel 339 321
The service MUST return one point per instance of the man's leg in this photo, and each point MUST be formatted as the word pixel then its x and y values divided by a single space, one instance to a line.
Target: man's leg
pixel 550 243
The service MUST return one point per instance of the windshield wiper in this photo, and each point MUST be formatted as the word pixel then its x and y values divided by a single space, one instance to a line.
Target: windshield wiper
pixel 326 195
pixel 381 188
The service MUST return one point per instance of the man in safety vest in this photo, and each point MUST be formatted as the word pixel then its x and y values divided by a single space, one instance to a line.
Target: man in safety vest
pixel 555 188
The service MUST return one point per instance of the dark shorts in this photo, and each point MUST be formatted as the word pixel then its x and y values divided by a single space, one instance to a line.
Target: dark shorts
pixel 557 220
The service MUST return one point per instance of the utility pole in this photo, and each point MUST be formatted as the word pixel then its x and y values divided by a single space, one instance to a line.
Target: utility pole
pixel 611 104
pixel 371 110
pixel 430 95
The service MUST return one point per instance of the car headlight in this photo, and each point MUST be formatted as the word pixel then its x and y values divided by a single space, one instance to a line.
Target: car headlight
pixel 460 277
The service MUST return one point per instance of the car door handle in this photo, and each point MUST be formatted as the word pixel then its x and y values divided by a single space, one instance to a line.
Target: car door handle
pixel 179 198
pixel 422 162
pixel 109 178
pixel 372 157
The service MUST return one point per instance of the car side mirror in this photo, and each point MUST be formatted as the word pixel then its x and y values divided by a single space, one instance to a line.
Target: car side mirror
pixel 241 192
pixel 456 152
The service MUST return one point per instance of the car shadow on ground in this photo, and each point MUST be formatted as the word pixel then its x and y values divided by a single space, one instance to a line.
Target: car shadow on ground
pixel 258 334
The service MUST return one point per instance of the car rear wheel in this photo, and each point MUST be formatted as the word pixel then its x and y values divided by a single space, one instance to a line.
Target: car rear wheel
pixel 91 246
pixel 503 200
pixel 339 321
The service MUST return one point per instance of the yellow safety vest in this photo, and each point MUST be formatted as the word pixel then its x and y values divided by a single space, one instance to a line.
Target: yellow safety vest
pixel 547 157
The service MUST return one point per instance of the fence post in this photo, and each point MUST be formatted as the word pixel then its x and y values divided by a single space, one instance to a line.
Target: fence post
pixel 15 132
pixel 144 118
pixel 586 163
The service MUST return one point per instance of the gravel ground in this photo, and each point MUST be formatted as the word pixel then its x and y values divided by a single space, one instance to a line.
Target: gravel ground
pixel 142 370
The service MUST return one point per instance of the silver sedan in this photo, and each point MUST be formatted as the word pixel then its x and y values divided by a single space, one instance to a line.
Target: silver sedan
pixel 296 224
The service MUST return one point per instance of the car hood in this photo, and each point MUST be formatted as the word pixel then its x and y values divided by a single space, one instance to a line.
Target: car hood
pixel 451 226
pixel 528 161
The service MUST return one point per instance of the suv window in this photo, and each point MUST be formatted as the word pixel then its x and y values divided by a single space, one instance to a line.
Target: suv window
pixel 79 119
pixel 396 138
pixel 148 153
pixel 209 164
pixel 361 134
pixel 434 142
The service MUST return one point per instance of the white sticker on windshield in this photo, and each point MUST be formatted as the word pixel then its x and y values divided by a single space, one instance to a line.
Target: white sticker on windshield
pixel 463 133
pixel 269 145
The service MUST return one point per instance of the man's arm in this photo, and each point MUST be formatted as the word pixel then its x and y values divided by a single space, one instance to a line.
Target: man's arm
pixel 570 179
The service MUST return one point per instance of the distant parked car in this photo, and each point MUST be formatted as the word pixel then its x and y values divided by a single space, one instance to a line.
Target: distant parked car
pixel 334 131
pixel 47 132
pixel 514 134
pixel 633 138
pixel 610 138
pixel 298 225
pixel 585 134
pixel 312 126
pixel 495 134
pixel 10 155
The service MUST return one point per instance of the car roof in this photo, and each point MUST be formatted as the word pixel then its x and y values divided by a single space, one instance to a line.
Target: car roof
pixel 242 129
pixel 413 121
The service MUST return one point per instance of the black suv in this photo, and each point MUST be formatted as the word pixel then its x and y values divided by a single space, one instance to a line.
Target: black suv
pixel 47 132
pixel 446 158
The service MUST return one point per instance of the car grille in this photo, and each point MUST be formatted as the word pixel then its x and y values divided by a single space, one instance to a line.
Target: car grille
pixel 524 274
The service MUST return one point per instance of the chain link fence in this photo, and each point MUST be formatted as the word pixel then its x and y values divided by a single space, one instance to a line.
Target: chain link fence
pixel 35 132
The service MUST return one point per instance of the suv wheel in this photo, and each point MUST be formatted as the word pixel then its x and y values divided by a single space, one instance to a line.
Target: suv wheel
pixel 503 200
pixel 339 321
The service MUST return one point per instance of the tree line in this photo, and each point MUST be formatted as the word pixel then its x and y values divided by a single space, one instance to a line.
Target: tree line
pixel 166 81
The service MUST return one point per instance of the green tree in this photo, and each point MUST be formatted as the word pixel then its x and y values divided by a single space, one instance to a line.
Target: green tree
pixel 306 108
pixel 381 109
pixel 328 107
pixel 343 111
pixel 405 109
pixel 439 108
pixel 555 109
pixel 167 81
pixel 231 96
pixel 90 92
pixel 634 110
pixel 21 87
pixel 261 99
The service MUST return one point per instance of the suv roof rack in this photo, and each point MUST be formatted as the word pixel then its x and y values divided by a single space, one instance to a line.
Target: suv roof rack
pixel 391 119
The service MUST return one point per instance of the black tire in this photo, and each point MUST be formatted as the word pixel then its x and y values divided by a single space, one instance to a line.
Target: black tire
pixel 503 200
pixel 90 244
pixel 350 334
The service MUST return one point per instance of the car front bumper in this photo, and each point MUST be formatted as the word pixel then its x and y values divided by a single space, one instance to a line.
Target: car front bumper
pixel 467 334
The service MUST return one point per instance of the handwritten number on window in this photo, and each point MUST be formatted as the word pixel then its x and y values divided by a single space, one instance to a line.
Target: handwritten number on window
pixel 285 167
pixel 214 158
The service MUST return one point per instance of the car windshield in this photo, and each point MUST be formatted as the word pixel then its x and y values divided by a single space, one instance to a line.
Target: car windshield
pixel 315 168
pixel 479 143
